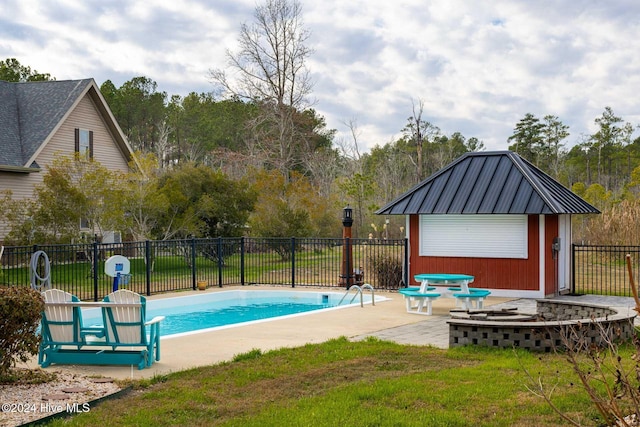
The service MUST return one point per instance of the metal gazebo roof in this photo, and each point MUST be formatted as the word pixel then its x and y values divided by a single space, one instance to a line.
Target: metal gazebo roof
pixel 492 182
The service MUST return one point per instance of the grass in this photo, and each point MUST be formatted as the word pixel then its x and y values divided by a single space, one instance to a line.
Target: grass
pixel 370 383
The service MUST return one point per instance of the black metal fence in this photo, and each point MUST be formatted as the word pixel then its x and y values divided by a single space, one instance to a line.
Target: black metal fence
pixel 163 266
pixel 602 270
pixel 171 265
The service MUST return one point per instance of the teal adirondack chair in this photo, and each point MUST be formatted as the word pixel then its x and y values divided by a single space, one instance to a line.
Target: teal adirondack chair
pixel 125 326
pixel 62 328
pixel 122 341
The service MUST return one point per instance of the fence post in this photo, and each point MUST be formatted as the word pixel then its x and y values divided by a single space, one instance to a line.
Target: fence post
pixel 220 260
pixel 293 262
pixel 34 249
pixel 193 263
pixel 95 270
pixel 348 267
pixel 573 268
pixel 242 261
pixel 148 261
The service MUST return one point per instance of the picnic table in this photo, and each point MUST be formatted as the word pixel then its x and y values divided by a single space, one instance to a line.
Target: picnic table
pixel 419 299
pixel 439 279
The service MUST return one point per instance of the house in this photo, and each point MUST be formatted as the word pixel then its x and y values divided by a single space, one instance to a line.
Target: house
pixel 42 120
pixel 497 217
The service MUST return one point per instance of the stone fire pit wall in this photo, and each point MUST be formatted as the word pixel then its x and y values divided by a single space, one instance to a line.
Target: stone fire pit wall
pixel 544 335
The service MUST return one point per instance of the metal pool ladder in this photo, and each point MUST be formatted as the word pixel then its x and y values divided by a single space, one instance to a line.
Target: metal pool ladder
pixel 359 292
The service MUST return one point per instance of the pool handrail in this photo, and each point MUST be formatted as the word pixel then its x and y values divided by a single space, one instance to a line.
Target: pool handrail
pixel 359 292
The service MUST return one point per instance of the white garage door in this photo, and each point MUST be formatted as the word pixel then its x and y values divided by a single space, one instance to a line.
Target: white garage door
pixel 478 236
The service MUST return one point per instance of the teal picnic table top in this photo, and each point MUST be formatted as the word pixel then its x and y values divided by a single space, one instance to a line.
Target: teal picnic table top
pixel 442 277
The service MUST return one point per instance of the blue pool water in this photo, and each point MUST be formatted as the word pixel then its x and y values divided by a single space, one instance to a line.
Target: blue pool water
pixel 196 313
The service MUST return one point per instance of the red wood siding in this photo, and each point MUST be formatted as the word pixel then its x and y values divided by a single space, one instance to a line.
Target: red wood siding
pixel 495 273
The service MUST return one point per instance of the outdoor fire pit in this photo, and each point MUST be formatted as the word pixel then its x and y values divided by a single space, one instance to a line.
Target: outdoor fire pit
pixel 487 315
pixel 539 331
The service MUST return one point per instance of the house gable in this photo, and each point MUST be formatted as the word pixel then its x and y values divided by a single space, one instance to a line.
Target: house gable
pixel 84 115
pixel 34 111
pixel 42 119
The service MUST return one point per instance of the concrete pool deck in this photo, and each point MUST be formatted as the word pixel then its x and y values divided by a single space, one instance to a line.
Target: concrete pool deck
pixel 386 320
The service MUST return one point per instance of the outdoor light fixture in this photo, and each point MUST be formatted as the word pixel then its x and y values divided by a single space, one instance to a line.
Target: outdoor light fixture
pixel 347 216
pixel 347 256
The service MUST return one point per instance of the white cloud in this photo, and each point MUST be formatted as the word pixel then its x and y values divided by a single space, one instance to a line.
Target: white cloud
pixel 478 66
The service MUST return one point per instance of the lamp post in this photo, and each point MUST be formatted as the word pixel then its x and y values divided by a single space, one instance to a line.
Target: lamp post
pixel 347 256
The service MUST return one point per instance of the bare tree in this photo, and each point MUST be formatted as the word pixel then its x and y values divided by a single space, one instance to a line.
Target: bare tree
pixel 324 168
pixel 419 133
pixel 270 69
pixel 350 149
pixel 162 146
pixel 233 164
pixel 355 184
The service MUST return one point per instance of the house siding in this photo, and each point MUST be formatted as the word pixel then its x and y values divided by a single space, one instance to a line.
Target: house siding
pixel 21 186
pixel 495 273
pixel 85 115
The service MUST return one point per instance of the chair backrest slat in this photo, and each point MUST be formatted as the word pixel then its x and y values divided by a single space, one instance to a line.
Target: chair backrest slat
pixel 62 324
pixel 125 325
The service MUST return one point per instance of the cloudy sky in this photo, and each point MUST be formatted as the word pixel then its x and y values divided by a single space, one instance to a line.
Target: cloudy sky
pixel 479 66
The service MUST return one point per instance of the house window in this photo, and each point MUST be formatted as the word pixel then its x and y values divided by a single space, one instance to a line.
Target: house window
pixel 84 142
pixel 474 236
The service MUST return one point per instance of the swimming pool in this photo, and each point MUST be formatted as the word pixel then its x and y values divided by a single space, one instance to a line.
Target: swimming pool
pixel 191 314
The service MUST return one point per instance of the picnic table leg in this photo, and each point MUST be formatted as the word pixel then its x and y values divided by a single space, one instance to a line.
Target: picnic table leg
pixel 423 303
pixel 465 286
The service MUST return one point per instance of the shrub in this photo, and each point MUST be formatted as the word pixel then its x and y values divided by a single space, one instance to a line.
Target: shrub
pixel 605 368
pixel 388 270
pixel 617 225
pixel 20 311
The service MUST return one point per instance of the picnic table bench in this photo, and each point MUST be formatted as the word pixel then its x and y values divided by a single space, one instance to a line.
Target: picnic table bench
pixel 419 299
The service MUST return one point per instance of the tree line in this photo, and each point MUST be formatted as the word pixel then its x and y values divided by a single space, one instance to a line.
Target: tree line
pixel 256 136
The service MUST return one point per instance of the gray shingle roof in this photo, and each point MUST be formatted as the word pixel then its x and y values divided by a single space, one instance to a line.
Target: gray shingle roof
pixel 29 113
pixel 495 182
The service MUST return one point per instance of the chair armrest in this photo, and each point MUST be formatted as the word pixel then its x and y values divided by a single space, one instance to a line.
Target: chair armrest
pixel 156 319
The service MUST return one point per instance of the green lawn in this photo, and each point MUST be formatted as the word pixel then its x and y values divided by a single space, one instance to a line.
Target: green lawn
pixel 341 383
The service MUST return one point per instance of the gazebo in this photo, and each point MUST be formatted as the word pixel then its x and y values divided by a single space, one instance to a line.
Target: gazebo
pixel 497 217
